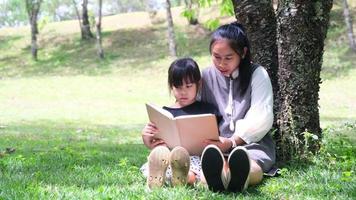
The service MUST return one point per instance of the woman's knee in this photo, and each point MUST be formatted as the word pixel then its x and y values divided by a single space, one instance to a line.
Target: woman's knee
pixel 256 173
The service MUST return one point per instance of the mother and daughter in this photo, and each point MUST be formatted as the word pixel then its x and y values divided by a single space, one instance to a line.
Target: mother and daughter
pixel 239 93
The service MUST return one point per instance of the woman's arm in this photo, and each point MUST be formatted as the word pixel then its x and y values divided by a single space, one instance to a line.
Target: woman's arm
pixel 259 118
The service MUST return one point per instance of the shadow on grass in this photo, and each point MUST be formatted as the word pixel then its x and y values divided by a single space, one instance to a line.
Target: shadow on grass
pixel 8 41
pixel 49 160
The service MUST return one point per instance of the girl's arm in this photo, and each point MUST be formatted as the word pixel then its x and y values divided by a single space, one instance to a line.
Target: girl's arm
pixel 148 136
pixel 259 118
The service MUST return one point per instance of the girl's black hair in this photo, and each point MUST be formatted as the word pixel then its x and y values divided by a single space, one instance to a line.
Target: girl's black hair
pixel 236 36
pixel 183 69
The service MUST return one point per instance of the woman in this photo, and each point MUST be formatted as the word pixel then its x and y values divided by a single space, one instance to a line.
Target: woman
pixel 242 92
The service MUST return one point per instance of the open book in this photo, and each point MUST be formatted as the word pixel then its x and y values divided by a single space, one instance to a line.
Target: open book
pixel 188 131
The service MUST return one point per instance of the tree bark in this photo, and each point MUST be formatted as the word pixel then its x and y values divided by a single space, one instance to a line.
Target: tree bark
pixel 33 8
pixel 171 36
pixel 301 31
pixel 98 32
pixel 348 21
pixel 290 45
pixel 86 33
pixel 260 23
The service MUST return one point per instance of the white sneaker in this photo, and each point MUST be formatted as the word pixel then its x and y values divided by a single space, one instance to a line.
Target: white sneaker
pixel 180 164
pixel 158 161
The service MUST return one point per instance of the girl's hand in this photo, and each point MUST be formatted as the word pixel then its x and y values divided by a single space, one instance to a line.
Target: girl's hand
pixel 223 143
pixel 148 136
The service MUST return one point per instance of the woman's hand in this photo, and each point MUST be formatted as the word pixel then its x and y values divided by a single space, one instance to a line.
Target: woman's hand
pixel 223 143
pixel 148 136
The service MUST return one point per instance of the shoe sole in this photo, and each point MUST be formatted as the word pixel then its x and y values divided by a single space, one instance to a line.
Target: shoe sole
pixel 212 166
pixel 158 161
pixel 239 165
pixel 180 164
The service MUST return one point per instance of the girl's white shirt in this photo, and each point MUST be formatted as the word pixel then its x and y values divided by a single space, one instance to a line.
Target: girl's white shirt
pixel 259 118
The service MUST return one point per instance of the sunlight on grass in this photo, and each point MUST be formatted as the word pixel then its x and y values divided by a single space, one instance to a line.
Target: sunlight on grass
pixel 338 100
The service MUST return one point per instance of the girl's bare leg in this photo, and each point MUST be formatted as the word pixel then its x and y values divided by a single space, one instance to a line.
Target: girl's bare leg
pixel 191 178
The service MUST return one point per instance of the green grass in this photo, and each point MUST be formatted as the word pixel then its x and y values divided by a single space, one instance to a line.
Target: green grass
pixel 102 162
pixel 75 120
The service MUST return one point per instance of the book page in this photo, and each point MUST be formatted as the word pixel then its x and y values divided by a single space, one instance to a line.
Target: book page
pixel 165 124
pixel 194 129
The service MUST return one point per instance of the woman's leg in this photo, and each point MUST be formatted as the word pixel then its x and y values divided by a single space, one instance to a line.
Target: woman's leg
pixel 256 173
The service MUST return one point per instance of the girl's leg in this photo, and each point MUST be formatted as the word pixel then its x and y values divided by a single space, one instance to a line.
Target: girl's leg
pixel 158 161
pixel 180 164
pixel 256 173
pixel 191 178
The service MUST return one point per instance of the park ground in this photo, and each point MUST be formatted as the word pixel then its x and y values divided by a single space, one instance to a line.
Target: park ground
pixel 70 123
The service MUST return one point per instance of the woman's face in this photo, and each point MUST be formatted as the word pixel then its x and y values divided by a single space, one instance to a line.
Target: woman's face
pixel 225 59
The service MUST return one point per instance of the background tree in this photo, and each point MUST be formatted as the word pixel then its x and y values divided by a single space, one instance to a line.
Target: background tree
pixel 13 13
pixel 78 15
pixel 171 36
pixel 302 28
pixel 259 20
pixel 33 8
pixel 348 22
pixel 190 13
pixel 299 28
pixel 98 32
pixel 86 32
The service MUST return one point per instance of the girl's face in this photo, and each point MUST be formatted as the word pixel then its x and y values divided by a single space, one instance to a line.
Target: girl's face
pixel 185 94
pixel 225 59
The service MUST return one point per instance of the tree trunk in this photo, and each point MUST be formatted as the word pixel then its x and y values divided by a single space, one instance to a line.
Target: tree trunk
pixel 348 21
pixel 301 31
pixel 33 8
pixel 294 64
pixel 171 37
pixel 78 16
pixel 259 20
pixel 86 33
pixel 193 20
pixel 98 32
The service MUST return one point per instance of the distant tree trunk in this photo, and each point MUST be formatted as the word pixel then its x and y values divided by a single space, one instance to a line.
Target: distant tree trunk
pixel 260 23
pixel 78 15
pixel 86 33
pixel 98 32
pixel 171 36
pixel 152 10
pixel 193 20
pixel 33 8
pixel 302 28
pixel 348 21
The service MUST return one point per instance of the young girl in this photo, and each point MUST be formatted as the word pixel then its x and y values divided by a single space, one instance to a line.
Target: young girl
pixel 242 92
pixel 183 80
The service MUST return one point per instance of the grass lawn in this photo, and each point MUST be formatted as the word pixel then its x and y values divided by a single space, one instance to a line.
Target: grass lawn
pixel 75 121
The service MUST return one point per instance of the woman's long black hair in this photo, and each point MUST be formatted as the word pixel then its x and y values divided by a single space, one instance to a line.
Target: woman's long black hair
pixel 236 36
